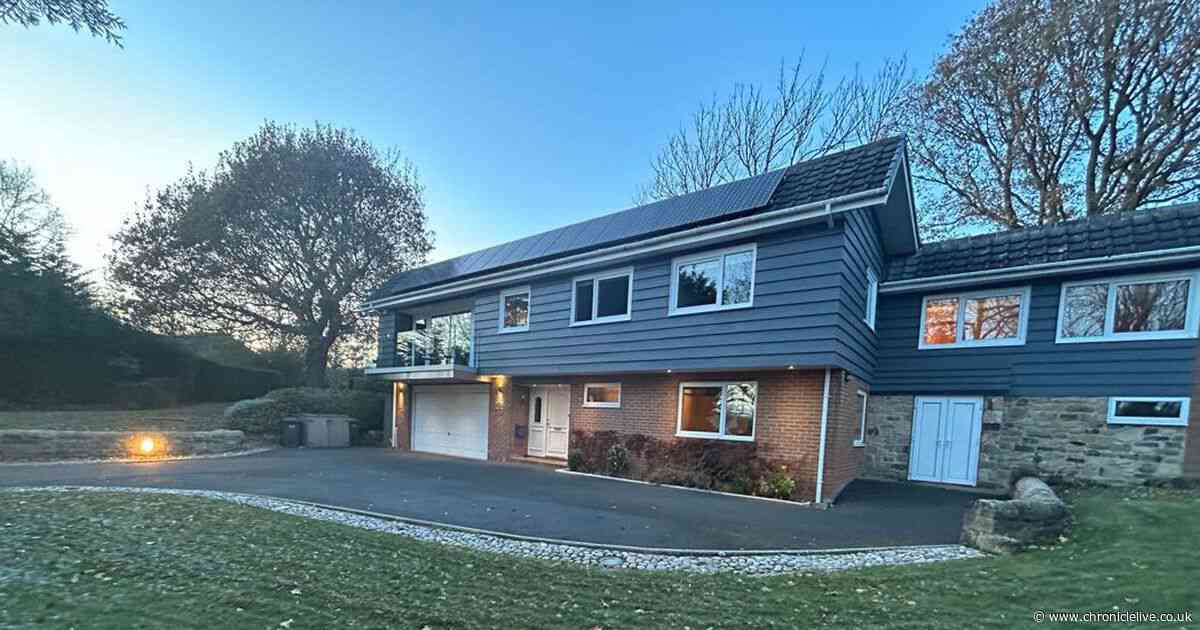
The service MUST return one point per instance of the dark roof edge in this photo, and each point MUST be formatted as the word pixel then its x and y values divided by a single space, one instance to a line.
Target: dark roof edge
pixel 1036 270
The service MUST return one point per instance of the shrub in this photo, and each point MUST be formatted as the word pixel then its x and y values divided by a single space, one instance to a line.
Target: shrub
pixel 617 460
pixel 256 415
pixel 575 461
pixel 778 484
pixel 366 407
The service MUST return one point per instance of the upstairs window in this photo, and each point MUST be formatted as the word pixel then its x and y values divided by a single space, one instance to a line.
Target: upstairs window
pixel 606 297
pixel 713 281
pixel 1131 308
pixel 981 318
pixel 514 310
pixel 872 298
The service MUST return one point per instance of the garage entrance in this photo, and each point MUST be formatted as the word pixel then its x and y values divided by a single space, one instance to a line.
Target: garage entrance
pixel 451 420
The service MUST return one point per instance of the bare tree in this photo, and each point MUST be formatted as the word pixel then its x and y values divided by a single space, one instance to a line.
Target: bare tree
pixel 93 15
pixel 1044 111
pixel 755 129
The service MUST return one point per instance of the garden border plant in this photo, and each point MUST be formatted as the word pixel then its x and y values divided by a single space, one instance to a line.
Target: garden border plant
pixel 704 464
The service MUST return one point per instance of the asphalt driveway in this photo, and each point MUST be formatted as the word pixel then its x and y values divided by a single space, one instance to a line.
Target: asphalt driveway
pixel 536 501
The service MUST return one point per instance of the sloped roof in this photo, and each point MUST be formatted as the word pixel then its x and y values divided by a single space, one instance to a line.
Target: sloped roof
pixel 1093 237
pixel 856 170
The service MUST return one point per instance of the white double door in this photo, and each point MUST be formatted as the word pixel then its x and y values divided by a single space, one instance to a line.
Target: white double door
pixel 945 440
pixel 549 420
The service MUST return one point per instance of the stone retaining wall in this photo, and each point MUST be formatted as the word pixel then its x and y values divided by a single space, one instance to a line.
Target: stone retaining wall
pixel 38 445
pixel 1065 439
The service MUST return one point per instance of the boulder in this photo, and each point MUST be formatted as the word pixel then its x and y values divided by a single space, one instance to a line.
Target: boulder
pixel 1035 515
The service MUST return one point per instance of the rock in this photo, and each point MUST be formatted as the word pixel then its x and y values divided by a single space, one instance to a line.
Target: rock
pixel 1035 515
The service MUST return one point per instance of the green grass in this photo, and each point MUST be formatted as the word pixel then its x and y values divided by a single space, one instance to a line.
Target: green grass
pixel 197 417
pixel 154 561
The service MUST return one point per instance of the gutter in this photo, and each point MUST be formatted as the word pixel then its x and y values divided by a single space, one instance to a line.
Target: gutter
pixel 1098 263
pixel 615 253
pixel 824 430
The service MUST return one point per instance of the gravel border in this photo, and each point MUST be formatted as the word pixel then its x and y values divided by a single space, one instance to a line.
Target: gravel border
pixel 774 563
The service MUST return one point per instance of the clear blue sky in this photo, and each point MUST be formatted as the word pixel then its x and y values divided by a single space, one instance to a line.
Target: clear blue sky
pixel 520 118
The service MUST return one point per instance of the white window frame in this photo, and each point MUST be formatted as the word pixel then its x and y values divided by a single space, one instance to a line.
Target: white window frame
pixel 1022 323
pixel 515 291
pixel 1110 308
pixel 861 440
pixel 873 298
pixel 596 278
pixel 1181 421
pixel 720 434
pixel 719 254
pixel 602 405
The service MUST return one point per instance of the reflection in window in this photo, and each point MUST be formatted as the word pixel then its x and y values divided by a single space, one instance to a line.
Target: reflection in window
pixel 717 410
pixel 975 319
pixel 993 317
pixel 1148 306
pixel 516 310
pixel 441 340
pixel 698 283
pixel 941 321
pixel 1126 308
pixel 738 278
pixel 1149 411
pixel 714 281
pixel 612 297
pixel 1083 310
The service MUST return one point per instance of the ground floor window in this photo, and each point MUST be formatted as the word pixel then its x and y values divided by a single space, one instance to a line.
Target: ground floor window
pixel 862 419
pixel 717 410
pixel 1152 410
pixel 604 395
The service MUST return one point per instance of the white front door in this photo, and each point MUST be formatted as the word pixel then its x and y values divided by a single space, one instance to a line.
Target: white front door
pixel 945 440
pixel 549 421
pixel 558 423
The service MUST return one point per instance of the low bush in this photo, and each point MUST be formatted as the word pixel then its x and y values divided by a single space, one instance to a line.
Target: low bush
pixel 617 460
pixel 256 415
pixel 706 464
pixel 365 406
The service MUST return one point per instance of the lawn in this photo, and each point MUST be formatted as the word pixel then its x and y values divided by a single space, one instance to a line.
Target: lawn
pixel 153 561
pixel 196 417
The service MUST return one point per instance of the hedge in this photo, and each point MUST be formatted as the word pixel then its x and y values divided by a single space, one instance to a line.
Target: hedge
pixel 262 415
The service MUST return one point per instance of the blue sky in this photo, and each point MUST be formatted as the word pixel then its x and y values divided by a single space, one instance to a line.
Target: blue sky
pixel 520 118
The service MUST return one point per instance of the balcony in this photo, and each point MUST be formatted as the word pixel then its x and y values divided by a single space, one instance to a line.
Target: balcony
pixel 435 348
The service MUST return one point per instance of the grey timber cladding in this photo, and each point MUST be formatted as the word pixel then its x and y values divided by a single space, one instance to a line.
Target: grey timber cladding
pixel 1039 368
pixel 796 319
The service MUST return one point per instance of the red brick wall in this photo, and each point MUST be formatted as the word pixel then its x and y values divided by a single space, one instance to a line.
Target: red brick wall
pixel 788 417
pixel 401 426
pixel 843 460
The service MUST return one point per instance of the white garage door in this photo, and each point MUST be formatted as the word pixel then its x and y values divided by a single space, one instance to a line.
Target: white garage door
pixel 451 420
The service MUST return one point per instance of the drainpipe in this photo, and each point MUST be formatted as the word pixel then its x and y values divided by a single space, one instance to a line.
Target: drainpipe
pixel 821 446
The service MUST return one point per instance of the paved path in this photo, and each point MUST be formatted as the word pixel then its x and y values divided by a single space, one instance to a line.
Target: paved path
pixel 536 501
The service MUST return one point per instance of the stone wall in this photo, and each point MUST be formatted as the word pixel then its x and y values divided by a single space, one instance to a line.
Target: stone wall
pixel 38 445
pixel 1058 438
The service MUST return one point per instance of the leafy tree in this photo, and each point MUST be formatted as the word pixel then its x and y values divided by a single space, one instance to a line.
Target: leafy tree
pixel 93 15
pixel 1045 111
pixel 279 244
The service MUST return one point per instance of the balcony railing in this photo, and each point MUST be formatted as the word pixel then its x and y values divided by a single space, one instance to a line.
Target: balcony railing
pixel 438 341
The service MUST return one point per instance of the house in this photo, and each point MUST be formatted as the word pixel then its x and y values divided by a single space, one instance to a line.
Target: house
pixel 798 313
